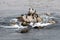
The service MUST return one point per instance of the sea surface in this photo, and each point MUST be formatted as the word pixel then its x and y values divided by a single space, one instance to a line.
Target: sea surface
pixel 49 33
pixel 10 9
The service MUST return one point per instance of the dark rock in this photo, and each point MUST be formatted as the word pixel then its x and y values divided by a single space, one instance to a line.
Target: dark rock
pixel 25 30
pixel 38 27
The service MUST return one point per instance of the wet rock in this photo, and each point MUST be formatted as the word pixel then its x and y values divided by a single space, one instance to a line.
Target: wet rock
pixel 38 27
pixel 25 30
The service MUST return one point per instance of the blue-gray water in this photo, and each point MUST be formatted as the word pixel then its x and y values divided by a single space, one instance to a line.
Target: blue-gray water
pixel 49 33
pixel 12 8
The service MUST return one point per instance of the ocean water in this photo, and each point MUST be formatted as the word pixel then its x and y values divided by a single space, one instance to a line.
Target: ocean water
pixel 49 33
pixel 10 9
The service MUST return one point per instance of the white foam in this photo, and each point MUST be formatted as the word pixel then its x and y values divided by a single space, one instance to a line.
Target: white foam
pixel 41 24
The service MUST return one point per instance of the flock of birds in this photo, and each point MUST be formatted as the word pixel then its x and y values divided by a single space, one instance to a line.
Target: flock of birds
pixel 31 20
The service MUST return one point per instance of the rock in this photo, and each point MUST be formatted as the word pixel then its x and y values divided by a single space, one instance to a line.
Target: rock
pixel 38 27
pixel 39 19
pixel 24 24
pixel 25 30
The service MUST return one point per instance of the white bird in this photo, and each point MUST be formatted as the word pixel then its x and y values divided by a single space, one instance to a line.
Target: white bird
pixel 31 10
